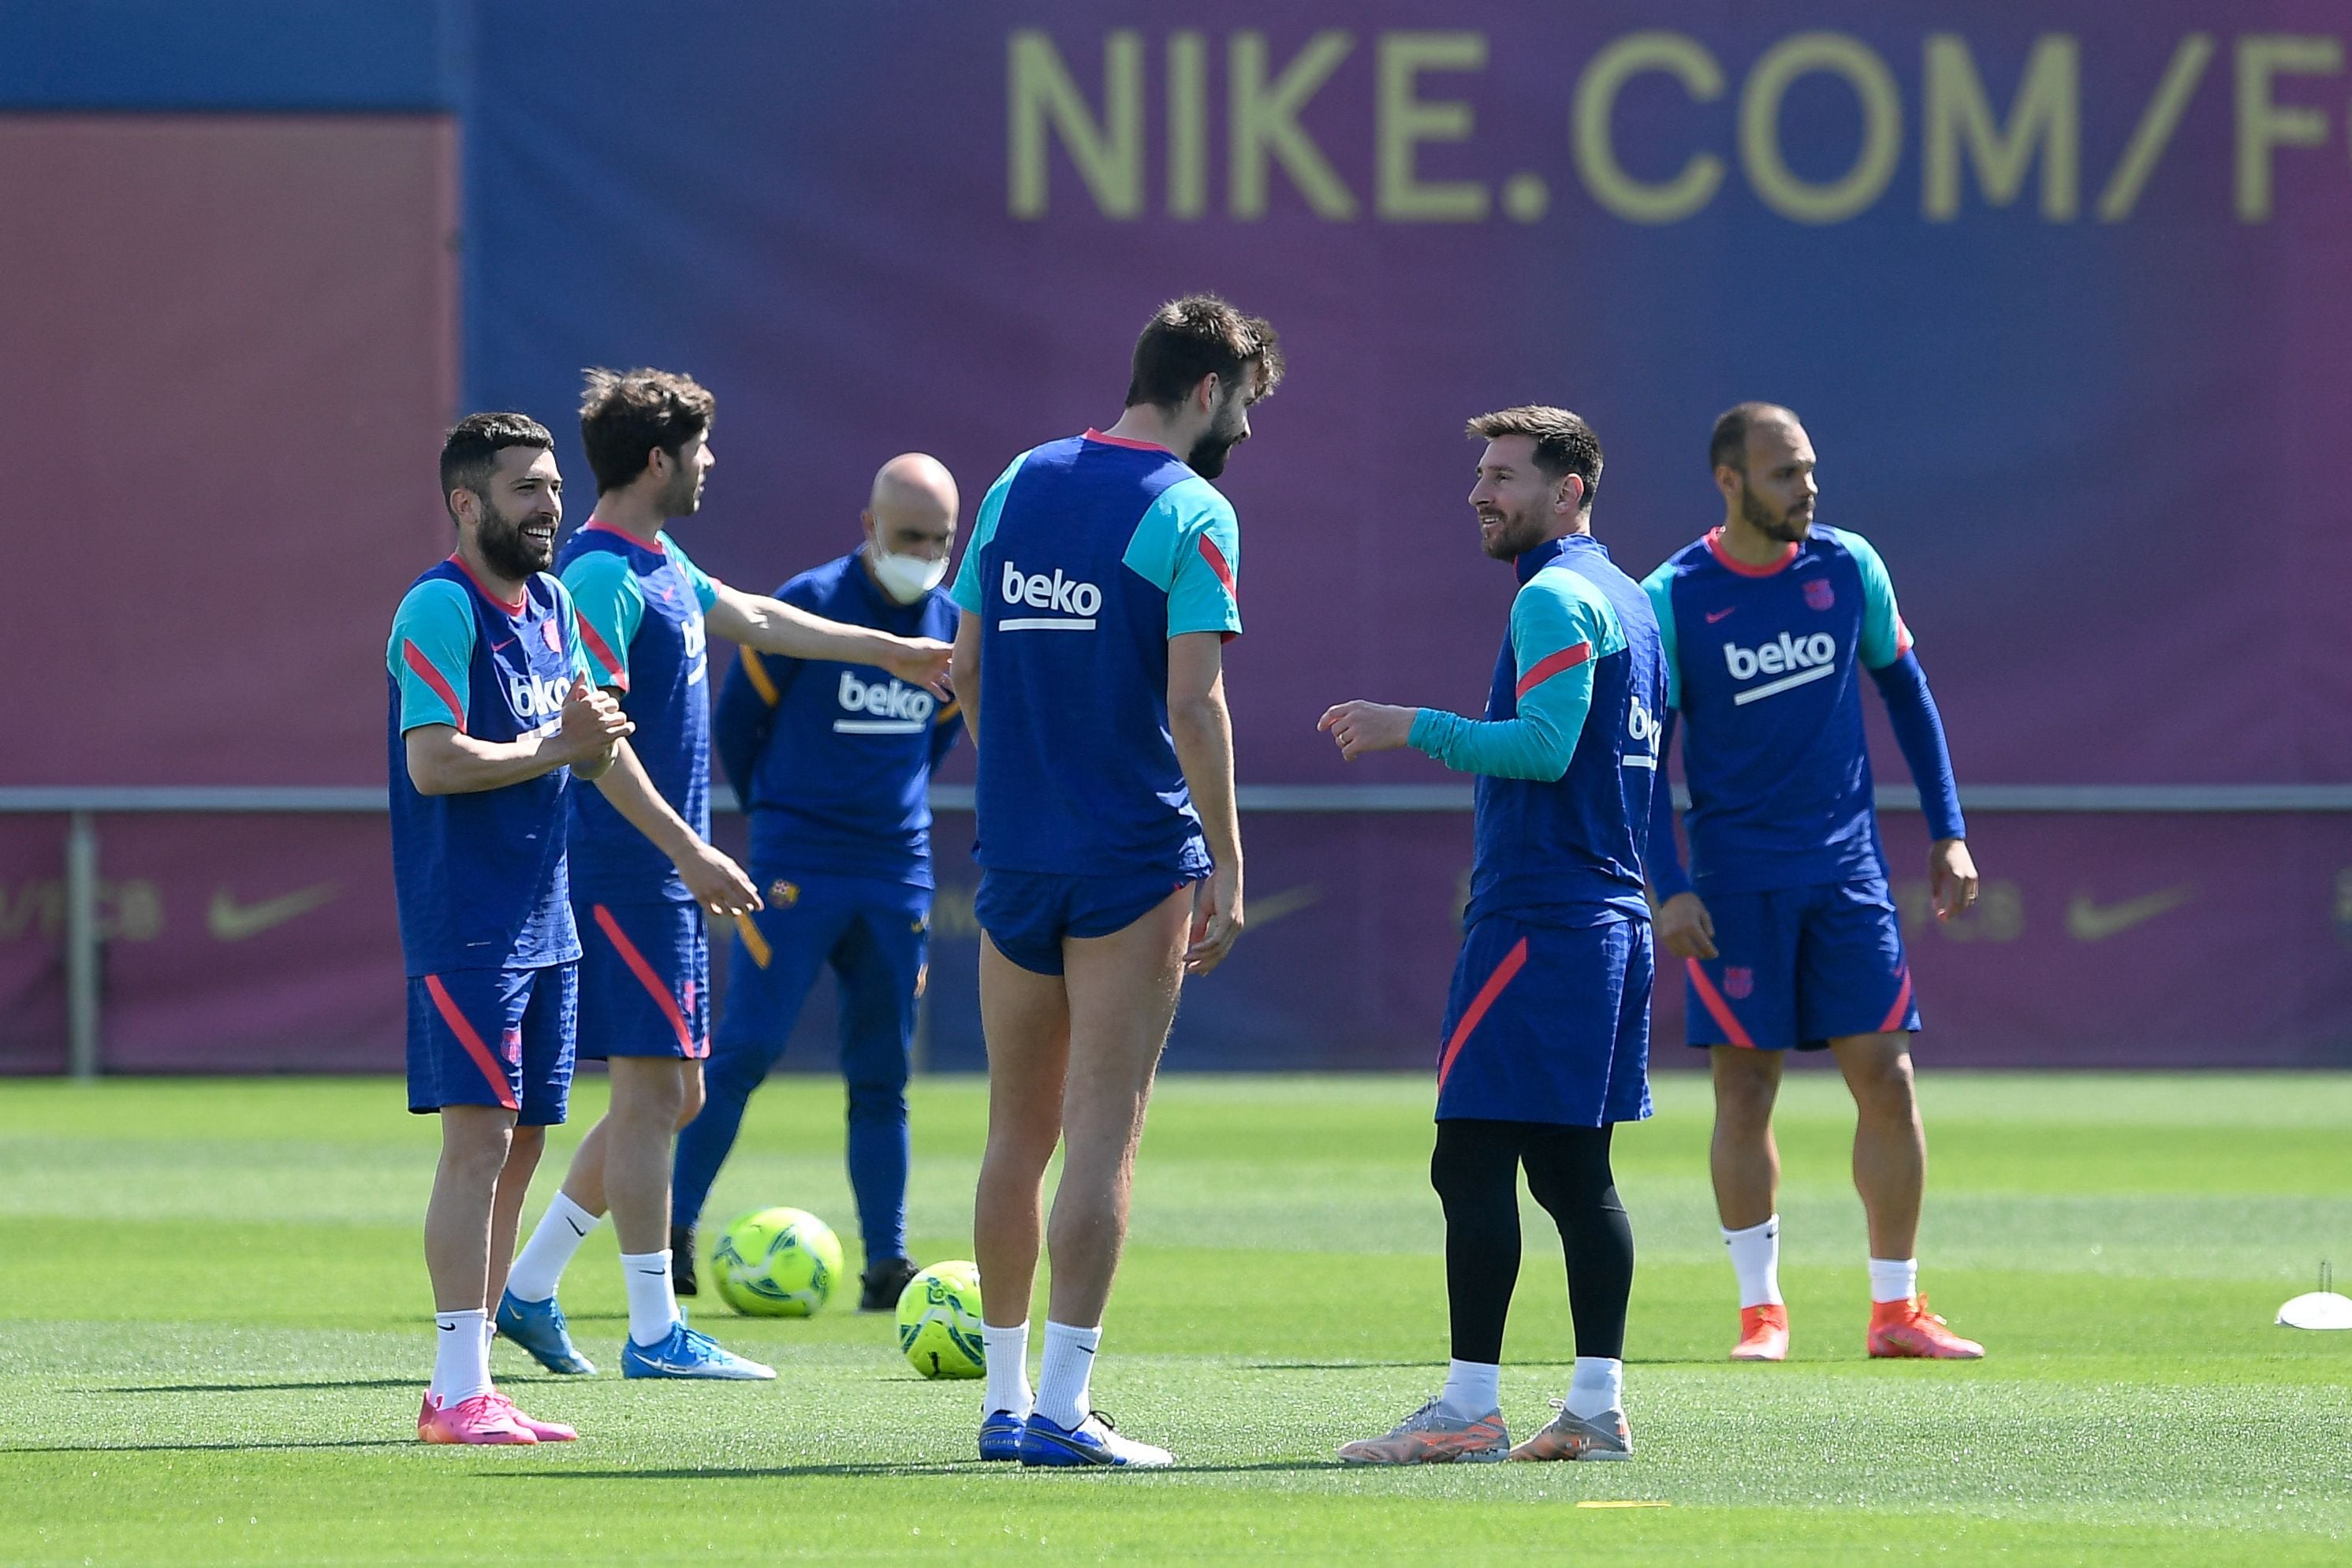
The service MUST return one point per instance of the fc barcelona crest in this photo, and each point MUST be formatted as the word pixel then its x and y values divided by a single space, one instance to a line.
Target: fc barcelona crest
pixel 1819 593
pixel 1740 983
pixel 553 633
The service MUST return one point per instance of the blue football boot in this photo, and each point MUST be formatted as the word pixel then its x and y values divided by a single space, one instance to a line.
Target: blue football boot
pixel 689 1352
pixel 1093 1441
pixel 539 1328
pixel 1000 1435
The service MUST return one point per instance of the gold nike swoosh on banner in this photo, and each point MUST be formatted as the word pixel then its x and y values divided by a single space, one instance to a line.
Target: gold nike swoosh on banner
pixel 2089 922
pixel 1260 913
pixel 230 921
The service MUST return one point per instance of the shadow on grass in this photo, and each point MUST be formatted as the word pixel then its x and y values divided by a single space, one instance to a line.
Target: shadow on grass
pixel 906 1472
pixel 263 1388
pixel 263 1448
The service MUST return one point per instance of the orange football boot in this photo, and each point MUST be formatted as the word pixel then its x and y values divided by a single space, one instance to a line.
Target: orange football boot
pixel 1763 1333
pixel 1909 1329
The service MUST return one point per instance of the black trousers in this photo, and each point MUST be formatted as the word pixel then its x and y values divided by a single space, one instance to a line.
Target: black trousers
pixel 1476 1171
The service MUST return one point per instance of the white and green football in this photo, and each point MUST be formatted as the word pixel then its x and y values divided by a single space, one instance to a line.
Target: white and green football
pixel 777 1263
pixel 939 1322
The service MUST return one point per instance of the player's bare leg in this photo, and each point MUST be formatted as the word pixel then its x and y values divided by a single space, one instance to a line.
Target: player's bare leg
pixel 1745 1161
pixel 1122 990
pixel 1890 1146
pixel 524 1147
pixel 1890 1171
pixel 1118 996
pixel 1025 1018
pixel 460 1405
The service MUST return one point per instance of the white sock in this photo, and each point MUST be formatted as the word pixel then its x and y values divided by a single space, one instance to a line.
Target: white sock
pixel 1894 1279
pixel 1007 1353
pixel 1069 1365
pixel 1756 1259
pixel 539 1268
pixel 1597 1387
pixel 461 1357
pixel 653 1305
pixel 1473 1389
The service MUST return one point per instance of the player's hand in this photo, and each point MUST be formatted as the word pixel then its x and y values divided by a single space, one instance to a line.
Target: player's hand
pixel 1951 876
pixel 590 721
pixel 922 660
pixel 1216 920
pixel 1361 727
pixel 1686 927
pixel 716 882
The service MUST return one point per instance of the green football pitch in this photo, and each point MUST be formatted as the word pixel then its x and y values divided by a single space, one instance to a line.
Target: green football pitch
pixel 214 1330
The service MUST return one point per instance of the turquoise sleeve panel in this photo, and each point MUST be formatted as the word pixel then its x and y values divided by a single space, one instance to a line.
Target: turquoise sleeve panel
pixel 611 606
pixel 1660 586
pixel 431 654
pixel 1189 546
pixel 1885 638
pixel 570 615
pixel 705 586
pixel 966 589
pixel 1559 625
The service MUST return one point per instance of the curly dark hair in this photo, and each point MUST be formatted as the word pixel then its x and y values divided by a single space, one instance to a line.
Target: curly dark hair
pixel 625 414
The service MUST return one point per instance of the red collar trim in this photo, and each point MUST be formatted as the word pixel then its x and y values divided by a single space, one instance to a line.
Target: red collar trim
pixel 1715 548
pixel 1094 434
pixel 514 606
pixel 599 526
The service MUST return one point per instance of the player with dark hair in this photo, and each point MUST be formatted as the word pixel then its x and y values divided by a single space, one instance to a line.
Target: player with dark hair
pixel 1098 593
pixel 1544 1046
pixel 1787 934
pixel 834 769
pixel 491 717
pixel 643 873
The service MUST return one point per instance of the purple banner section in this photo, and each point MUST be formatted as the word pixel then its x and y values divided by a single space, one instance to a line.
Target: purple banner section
pixel 268 945
pixel 241 332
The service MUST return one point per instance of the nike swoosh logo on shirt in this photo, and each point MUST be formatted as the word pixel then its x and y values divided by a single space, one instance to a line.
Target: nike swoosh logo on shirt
pixel 230 921
pixel 2089 922
pixel 1715 615
pixel 502 647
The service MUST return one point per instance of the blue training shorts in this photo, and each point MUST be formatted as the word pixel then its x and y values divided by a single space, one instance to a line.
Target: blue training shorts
pixel 1800 967
pixel 1547 1023
pixel 1027 913
pixel 494 1037
pixel 644 980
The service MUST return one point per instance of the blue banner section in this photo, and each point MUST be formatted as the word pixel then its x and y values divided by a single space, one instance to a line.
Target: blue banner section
pixel 317 55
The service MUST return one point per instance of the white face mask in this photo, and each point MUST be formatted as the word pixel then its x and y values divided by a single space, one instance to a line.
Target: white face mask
pixel 907 578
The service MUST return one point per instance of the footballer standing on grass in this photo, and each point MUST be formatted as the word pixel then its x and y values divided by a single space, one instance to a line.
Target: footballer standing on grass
pixel 643 873
pixel 491 717
pixel 1787 934
pixel 1544 1046
pixel 834 767
pixel 1097 593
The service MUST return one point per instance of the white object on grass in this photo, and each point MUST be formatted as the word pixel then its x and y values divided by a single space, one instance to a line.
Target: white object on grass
pixel 2317 1310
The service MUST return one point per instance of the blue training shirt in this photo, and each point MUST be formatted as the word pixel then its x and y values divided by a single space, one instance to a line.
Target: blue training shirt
pixel 480 876
pixel 1764 666
pixel 1568 753
pixel 641 611
pixel 834 761
pixel 1086 557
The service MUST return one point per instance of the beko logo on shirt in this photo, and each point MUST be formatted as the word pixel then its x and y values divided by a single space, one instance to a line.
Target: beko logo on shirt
pixel 1641 728
pixel 1076 604
pixel 1798 659
pixel 534 695
pixel 892 707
